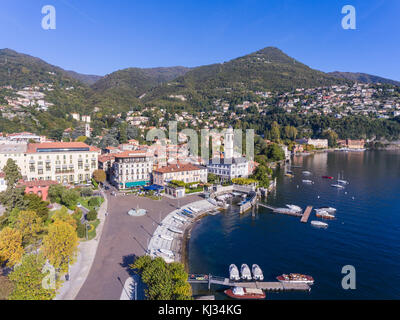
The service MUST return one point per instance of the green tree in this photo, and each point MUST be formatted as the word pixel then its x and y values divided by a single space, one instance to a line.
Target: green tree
pixel 35 203
pixel 27 279
pixel 164 281
pixel 12 173
pixel 275 132
pixel 92 215
pixel 274 152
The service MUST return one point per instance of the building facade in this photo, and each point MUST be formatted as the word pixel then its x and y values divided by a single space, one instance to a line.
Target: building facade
pixel 230 166
pixel 186 172
pixel 64 162
pixel 131 169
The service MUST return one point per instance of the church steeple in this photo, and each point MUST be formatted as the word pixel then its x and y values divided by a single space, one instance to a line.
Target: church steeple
pixel 228 148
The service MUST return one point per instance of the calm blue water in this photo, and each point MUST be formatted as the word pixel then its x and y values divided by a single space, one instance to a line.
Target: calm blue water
pixel 365 234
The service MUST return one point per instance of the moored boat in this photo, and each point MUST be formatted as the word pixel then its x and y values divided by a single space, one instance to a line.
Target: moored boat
pixel 245 293
pixel 324 215
pixel 342 181
pixel 167 252
pixel 320 224
pixel 307 181
pixel 339 186
pixel 234 272
pixel 180 218
pixel 257 272
pixel 295 278
pixel 245 271
pixel 176 230
pixel 327 209
pixel 166 237
pixel 327 177
pixel 306 173
pixel 294 207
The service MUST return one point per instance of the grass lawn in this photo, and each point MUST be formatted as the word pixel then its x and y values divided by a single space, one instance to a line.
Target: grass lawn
pixel 84 201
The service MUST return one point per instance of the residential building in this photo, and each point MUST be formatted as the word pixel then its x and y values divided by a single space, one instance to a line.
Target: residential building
pixel 64 162
pixel 185 172
pixel 317 143
pixel 38 187
pixel 131 169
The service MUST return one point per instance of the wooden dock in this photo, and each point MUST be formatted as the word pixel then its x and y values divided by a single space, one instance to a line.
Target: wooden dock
pixel 281 210
pixel 267 286
pixel 306 214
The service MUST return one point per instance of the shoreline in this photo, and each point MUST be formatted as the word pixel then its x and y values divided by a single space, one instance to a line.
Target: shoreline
pixel 179 244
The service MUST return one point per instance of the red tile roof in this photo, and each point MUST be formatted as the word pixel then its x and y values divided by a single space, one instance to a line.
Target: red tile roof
pixel 130 154
pixel 178 168
pixel 36 183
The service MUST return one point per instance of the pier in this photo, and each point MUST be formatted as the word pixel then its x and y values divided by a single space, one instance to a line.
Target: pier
pixel 306 214
pixel 267 286
pixel 281 210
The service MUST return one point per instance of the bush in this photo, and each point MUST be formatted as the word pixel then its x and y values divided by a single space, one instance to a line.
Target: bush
pixel 91 215
pixel 77 215
pixel 93 202
pixel 86 192
pixel 95 184
pixel 80 230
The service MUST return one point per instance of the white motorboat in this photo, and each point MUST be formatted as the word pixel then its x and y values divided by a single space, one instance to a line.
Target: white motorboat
pixel 339 186
pixel 342 181
pixel 167 252
pixel 176 230
pixel 320 224
pixel 196 210
pixel 324 215
pixel 294 207
pixel 257 272
pixel 327 209
pixel 306 173
pixel 166 237
pixel 180 218
pixel 234 272
pixel 307 181
pixel 245 271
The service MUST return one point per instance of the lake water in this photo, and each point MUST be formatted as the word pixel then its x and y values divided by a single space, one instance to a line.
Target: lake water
pixel 365 233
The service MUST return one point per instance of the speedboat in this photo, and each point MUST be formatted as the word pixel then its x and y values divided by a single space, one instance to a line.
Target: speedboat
pixel 324 215
pixel 195 210
pixel 234 272
pixel 307 173
pixel 327 209
pixel 166 237
pixel 257 272
pixel 245 271
pixel 343 181
pixel 180 218
pixel 327 177
pixel 339 186
pixel 320 224
pixel 167 252
pixel 245 293
pixel 176 230
pixel 294 207
pixel 295 278
pixel 307 181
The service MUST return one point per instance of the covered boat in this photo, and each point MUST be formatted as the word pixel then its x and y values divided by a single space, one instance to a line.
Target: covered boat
pixel 245 293
pixel 320 224
pixel 295 278
pixel 325 215
pixel 245 271
pixel 176 230
pixel 294 207
pixel 234 272
pixel 257 272
pixel 327 209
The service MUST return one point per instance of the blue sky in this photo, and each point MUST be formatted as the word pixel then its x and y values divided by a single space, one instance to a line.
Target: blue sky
pixel 99 37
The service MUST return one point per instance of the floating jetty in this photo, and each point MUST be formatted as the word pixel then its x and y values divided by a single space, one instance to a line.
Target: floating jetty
pixel 286 211
pixel 267 286
pixel 306 214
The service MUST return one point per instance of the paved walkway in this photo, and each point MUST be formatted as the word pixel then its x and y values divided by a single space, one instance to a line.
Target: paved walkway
pixel 124 237
pixel 86 254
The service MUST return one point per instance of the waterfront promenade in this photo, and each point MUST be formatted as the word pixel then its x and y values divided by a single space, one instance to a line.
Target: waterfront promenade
pixel 123 238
